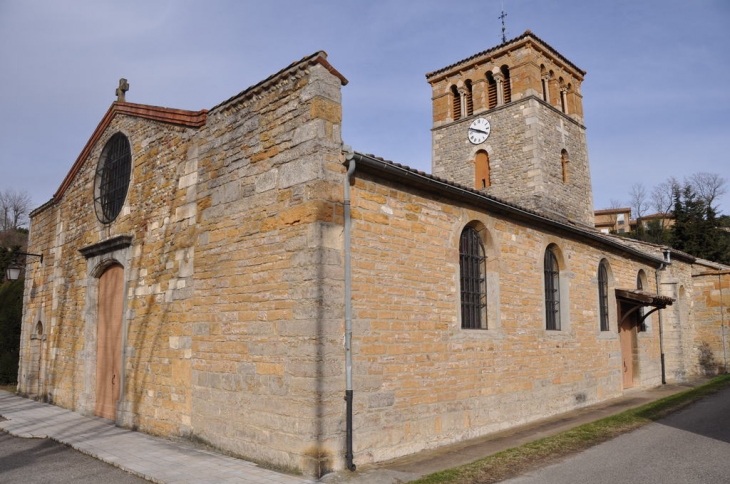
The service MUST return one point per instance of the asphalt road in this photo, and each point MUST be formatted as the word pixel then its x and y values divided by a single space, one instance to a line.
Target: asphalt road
pixel 35 461
pixel 689 447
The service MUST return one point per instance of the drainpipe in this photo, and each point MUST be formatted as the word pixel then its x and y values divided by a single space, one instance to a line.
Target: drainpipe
pixel 661 327
pixel 348 311
pixel 722 321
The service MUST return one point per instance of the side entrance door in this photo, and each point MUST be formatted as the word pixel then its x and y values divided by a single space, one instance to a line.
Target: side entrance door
pixel 109 341
pixel 627 336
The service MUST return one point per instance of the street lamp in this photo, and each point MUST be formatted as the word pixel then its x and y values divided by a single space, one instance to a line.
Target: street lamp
pixel 12 272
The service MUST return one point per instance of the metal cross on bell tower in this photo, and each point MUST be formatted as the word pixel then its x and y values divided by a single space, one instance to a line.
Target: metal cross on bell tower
pixel 504 29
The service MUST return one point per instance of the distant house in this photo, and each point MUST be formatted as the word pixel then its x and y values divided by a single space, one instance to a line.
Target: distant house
pixel 616 220
pixel 665 220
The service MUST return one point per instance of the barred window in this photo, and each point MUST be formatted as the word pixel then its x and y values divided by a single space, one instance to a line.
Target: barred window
pixel 603 295
pixel 112 178
pixel 473 268
pixel 552 290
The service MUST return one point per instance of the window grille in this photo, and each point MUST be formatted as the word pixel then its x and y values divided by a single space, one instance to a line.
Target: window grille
pixel 603 295
pixel 473 268
pixel 552 291
pixel 112 178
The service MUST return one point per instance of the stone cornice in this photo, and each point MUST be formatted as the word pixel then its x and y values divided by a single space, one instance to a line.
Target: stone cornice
pixel 526 39
pixel 106 246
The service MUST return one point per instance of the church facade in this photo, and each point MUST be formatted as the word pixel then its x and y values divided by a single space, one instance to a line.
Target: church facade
pixel 202 268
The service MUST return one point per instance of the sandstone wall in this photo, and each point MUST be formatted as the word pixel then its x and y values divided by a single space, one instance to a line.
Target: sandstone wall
pixel 266 321
pixel 712 319
pixel 61 289
pixel 420 380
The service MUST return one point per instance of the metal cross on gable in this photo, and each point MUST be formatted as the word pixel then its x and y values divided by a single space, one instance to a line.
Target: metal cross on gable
pixel 122 90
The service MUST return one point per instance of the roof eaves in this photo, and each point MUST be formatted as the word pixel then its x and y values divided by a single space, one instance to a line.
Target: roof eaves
pixel 192 119
pixel 422 179
pixel 504 45
pixel 319 57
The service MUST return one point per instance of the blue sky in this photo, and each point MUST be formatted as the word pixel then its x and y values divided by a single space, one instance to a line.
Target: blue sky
pixel 656 99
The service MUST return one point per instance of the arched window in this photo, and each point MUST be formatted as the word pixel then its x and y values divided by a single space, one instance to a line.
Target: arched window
pixel 506 85
pixel 544 80
pixel 640 286
pixel 491 91
pixel 564 164
pixel 112 178
pixel 481 170
pixel 469 98
pixel 552 290
pixel 603 295
pixel 473 269
pixel 456 103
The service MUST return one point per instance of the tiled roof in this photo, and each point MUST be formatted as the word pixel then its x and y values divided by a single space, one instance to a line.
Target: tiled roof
pixel 191 119
pixel 418 177
pixel 526 35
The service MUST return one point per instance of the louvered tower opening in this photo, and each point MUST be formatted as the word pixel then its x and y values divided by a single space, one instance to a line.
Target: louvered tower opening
pixel 456 106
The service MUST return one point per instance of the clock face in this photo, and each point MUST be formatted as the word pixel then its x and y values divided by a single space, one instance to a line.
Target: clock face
pixel 479 131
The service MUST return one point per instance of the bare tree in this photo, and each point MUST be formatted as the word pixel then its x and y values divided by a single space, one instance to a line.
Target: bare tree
pixel 662 195
pixel 638 199
pixel 14 208
pixel 708 186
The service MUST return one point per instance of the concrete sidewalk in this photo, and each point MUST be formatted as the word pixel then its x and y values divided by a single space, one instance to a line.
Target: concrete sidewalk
pixel 163 461
pixel 418 465
pixel 153 458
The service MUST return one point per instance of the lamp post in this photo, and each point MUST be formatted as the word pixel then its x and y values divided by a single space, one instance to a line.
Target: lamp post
pixel 12 272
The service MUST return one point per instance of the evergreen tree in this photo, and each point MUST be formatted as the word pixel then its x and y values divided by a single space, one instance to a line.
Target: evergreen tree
pixel 696 229
pixel 11 309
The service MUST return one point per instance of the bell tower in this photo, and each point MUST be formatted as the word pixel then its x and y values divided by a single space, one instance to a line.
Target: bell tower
pixel 509 122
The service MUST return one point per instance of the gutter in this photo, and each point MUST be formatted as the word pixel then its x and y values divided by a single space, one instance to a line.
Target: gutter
pixel 442 187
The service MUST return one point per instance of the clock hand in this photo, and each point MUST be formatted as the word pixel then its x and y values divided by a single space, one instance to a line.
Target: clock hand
pixel 478 130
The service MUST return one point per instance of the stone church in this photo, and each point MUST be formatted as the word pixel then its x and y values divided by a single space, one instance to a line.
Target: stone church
pixel 240 277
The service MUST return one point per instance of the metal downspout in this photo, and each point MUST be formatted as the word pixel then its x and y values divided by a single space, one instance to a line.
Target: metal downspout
pixel 348 313
pixel 722 321
pixel 661 327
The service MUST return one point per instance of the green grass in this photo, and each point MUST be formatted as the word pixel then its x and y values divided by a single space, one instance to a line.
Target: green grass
pixel 517 460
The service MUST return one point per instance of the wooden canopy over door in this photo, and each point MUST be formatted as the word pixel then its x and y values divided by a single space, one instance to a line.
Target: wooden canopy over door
pixel 109 342
pixel 630 301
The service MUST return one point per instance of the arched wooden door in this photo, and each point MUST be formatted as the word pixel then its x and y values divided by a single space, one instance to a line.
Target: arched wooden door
pixel 109 341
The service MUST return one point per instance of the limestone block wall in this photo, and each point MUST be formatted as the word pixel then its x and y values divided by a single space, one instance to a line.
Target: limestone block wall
pixel 712 319
pixel 37 304
pixel 422 381
pixel 524 148
pixel 157 274
pixel 678 322
pixel 266 317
